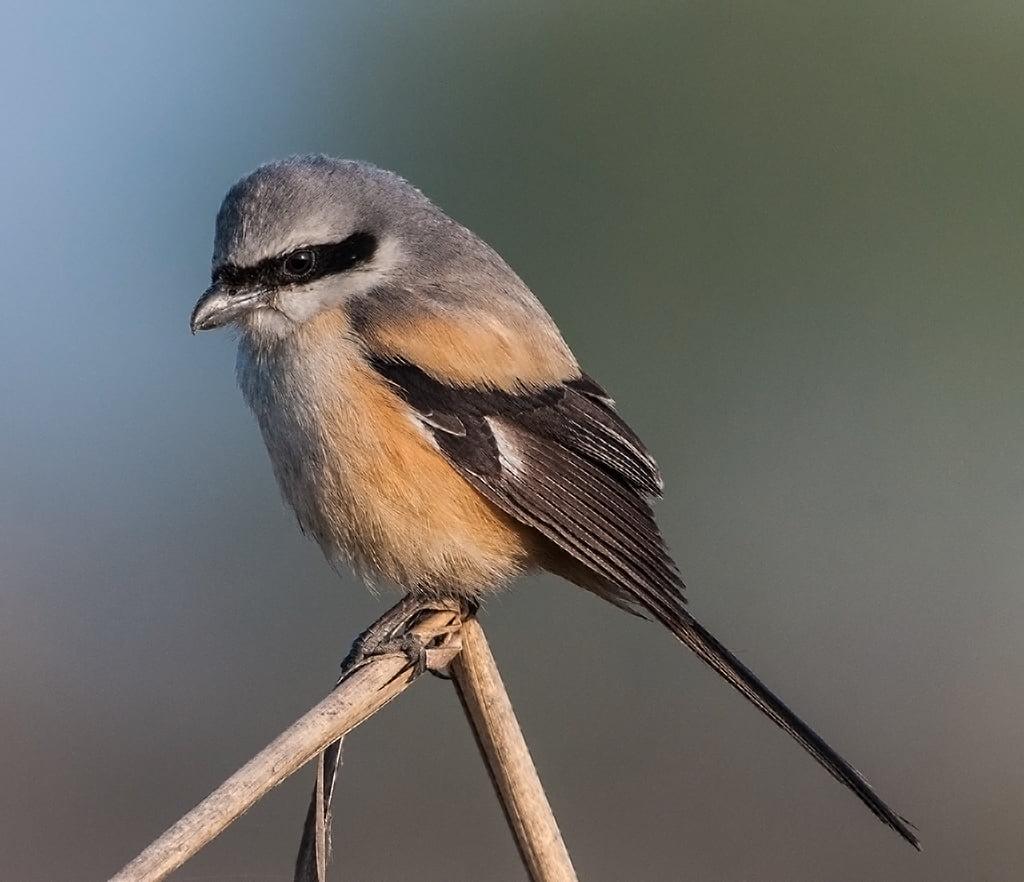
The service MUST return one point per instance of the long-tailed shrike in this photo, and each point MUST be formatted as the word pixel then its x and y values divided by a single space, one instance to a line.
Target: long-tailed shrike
pixel 426 420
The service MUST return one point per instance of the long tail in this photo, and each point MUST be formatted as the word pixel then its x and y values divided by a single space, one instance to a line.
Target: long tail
pixel 741 678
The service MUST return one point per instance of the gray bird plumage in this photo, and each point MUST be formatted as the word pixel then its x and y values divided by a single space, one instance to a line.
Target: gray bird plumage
pixel 425 418
pixel 428 259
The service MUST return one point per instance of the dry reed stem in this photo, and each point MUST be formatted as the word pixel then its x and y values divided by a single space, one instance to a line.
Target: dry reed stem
pixel 359 695
pixel 504 751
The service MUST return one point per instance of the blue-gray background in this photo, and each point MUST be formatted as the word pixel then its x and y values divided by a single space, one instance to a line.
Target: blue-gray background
pixel 785 235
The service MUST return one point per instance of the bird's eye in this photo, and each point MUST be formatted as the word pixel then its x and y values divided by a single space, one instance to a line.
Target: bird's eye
pixel 299 264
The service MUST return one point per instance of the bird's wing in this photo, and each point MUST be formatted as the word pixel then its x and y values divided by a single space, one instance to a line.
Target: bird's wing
pixel 560 460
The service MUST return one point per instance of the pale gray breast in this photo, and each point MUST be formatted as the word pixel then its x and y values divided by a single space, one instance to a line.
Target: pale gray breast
pixel 289 391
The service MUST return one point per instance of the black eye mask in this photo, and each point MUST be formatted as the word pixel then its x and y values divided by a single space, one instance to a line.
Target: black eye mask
pixel 301 265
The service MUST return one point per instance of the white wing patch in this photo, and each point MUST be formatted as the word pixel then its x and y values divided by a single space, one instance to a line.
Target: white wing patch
pixel 508 456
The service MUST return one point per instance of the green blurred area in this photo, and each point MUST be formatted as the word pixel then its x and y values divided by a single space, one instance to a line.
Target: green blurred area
pixel 784 235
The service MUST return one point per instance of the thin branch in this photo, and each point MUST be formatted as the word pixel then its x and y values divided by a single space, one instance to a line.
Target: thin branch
pixel 357 697
pixel 512 771
pixel 363 690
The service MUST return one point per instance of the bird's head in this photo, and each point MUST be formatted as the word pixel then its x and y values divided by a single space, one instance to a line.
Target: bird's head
pixel 308 234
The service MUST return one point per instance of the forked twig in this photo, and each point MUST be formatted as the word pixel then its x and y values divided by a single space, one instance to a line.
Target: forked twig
pixel 360 694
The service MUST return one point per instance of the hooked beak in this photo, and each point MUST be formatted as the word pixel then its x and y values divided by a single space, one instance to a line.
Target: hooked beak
pixel 220 305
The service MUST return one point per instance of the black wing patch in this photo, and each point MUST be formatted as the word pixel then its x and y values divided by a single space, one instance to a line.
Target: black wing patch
pixel 578 415
pixel 561 461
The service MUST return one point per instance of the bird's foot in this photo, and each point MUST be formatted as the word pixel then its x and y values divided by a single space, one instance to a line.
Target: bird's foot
pixel 393 634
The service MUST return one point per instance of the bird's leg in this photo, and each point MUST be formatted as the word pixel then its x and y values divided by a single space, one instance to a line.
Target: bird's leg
pixel 391 634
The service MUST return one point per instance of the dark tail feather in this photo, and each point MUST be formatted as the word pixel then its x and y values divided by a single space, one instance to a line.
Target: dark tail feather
pixel 739 676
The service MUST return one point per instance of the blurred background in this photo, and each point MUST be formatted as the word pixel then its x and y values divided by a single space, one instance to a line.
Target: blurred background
pixel 786 236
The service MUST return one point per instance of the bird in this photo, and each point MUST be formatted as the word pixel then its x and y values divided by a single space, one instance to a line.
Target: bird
pixel 426 420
